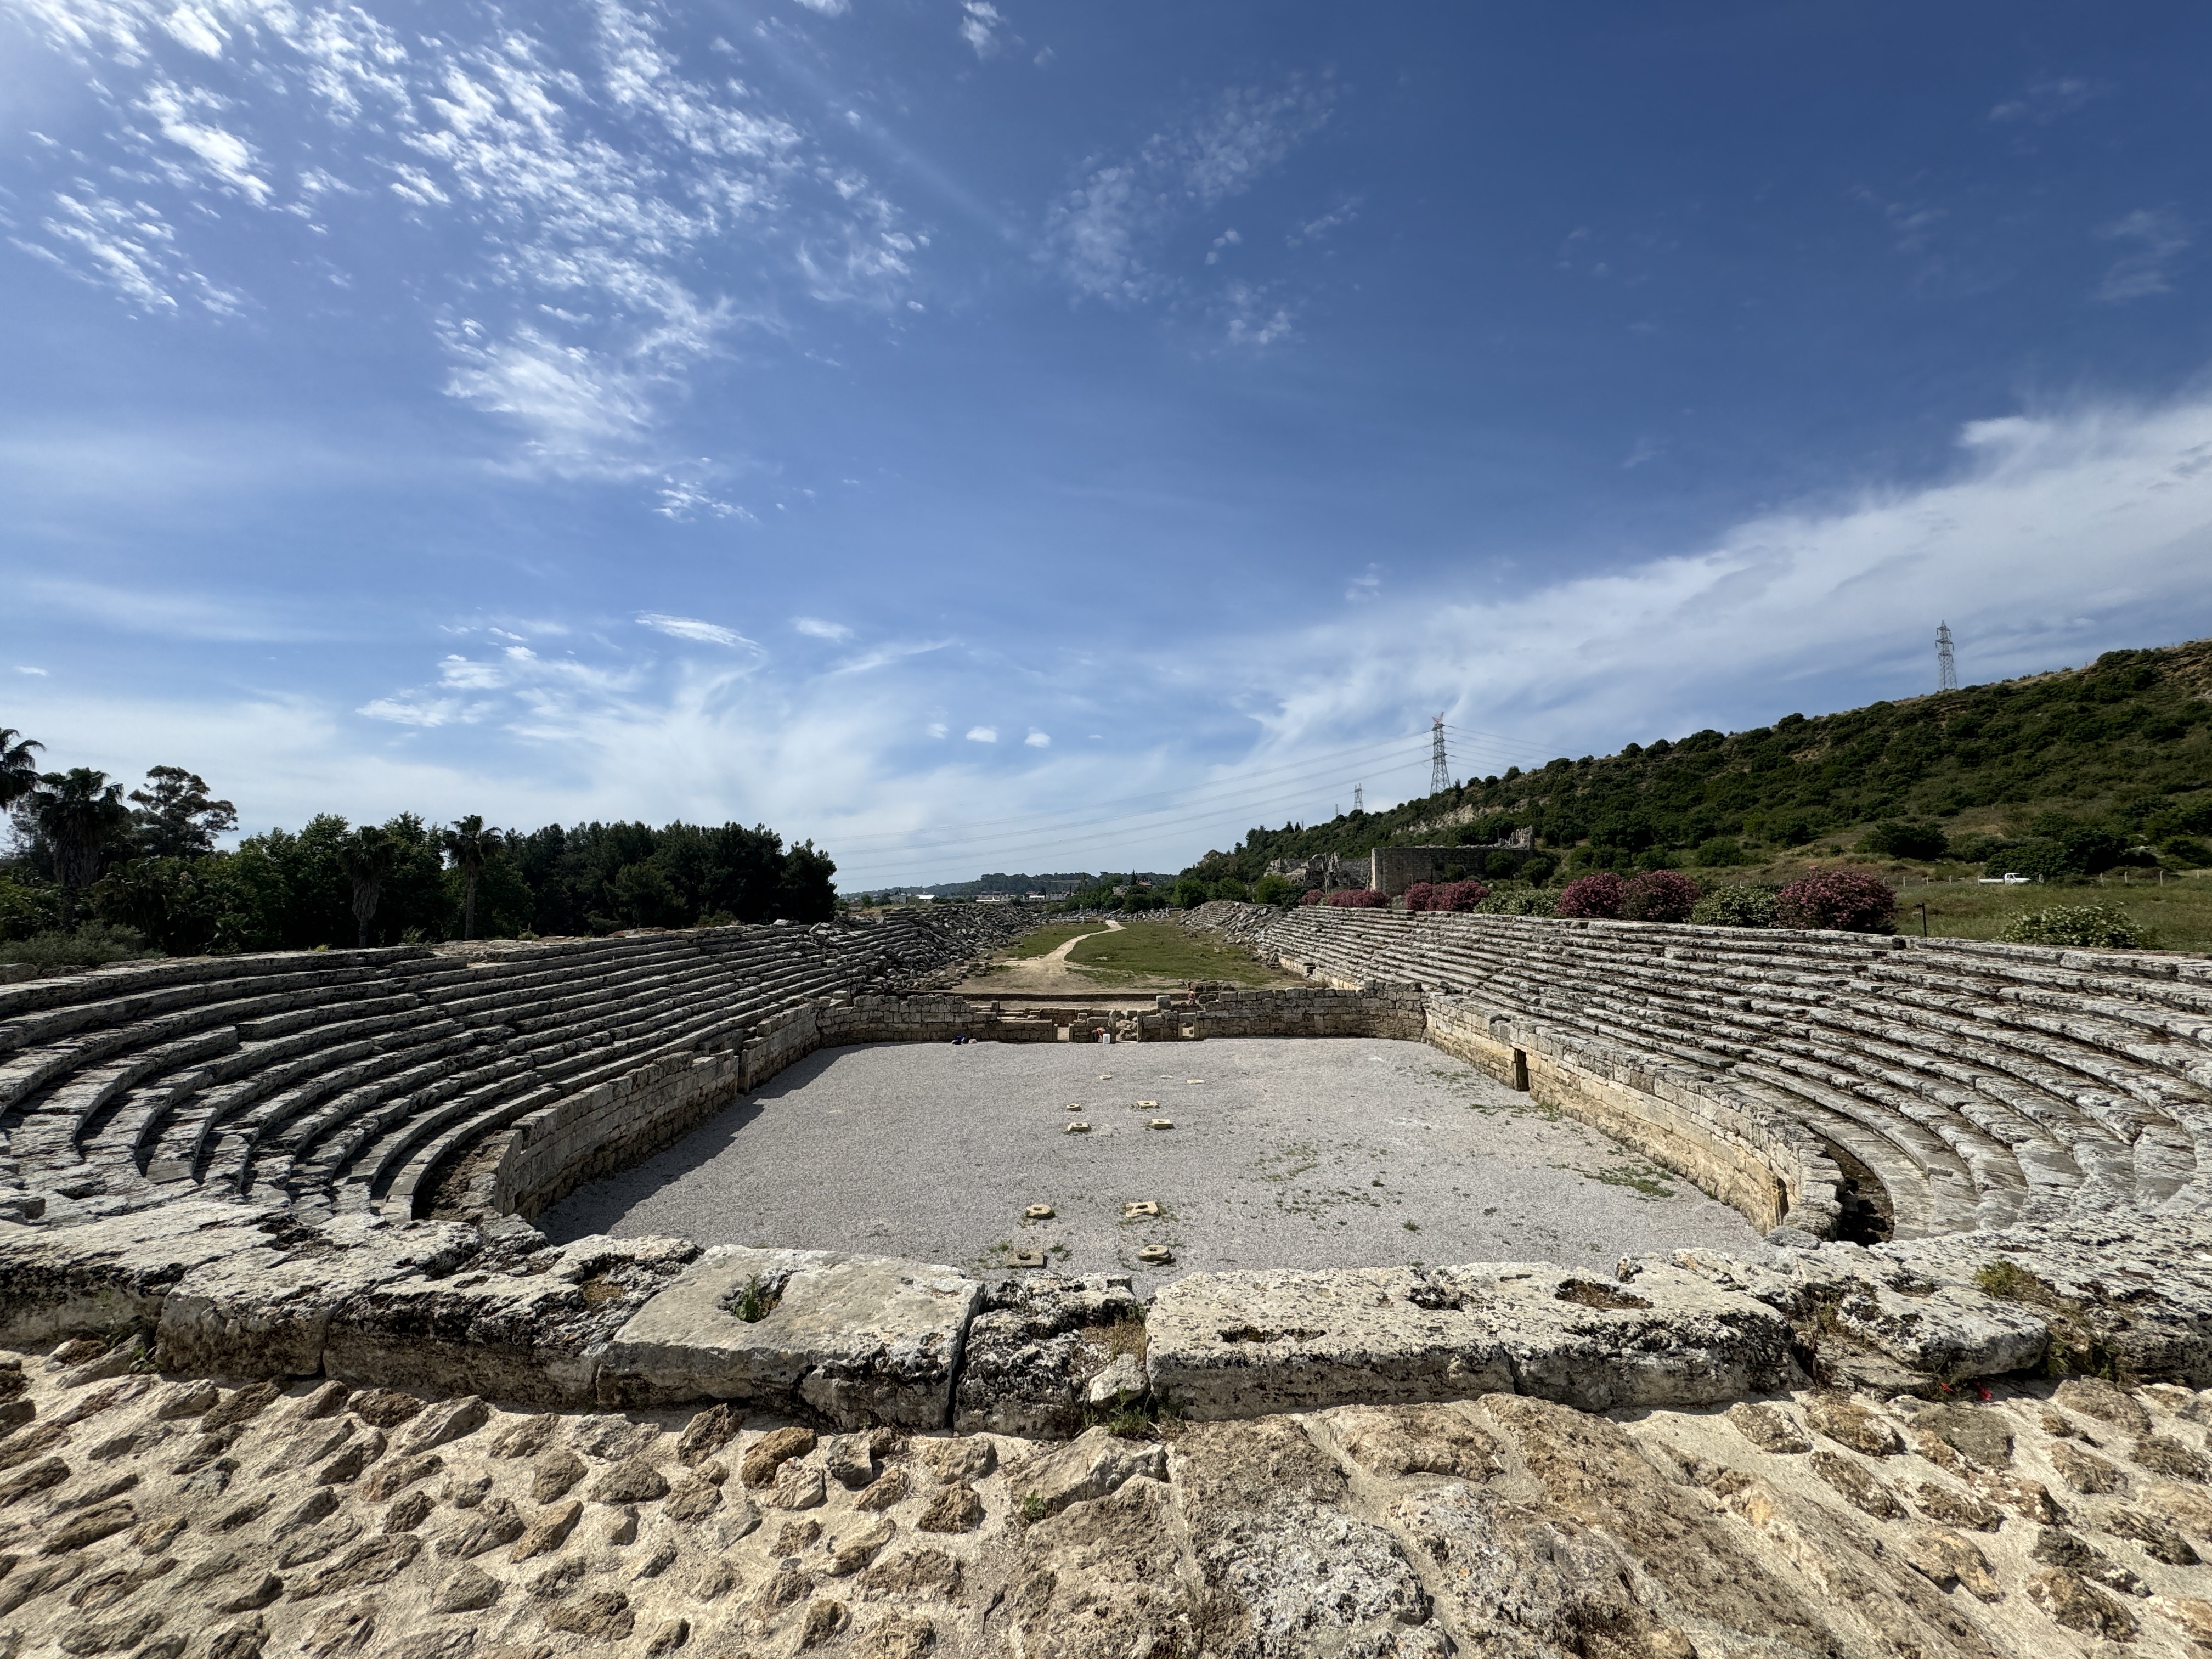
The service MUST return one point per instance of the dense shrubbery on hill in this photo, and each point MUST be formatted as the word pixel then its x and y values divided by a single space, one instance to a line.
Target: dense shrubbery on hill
pixel 150 872
pixel 2117 756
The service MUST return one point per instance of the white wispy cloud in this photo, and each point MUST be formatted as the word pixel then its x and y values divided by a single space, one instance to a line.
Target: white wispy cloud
pixel 1037 739
pixel 2158 238
pixel 25 668
pixel 1106 232
pixel 690 628
pixel 982 734
pixel 612 208
pixel 820 629
pixel 979 21
pixel 2043 101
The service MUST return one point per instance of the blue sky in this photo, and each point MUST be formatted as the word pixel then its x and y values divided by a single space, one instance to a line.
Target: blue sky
pixel 1005 435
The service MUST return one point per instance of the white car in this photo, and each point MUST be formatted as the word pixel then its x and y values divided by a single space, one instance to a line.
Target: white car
pixel 2010 878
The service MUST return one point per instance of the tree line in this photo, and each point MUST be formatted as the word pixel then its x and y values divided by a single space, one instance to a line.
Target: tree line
pixel 2092 765
pixel 95 872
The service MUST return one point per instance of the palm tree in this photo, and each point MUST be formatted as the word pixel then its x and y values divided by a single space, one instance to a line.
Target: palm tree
pixel 468 843
pixel 79 812
pixel 367 856
pixel 18 777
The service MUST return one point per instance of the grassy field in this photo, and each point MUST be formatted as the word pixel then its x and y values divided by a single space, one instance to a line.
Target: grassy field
pixel 2176 916
pixel 1046 940
pixel 1166 951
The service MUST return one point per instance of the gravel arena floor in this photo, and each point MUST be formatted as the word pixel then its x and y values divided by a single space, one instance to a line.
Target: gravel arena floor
pixel 1285 1153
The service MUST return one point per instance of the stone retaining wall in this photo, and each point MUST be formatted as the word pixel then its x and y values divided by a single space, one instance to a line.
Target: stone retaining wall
pixel 2033 1116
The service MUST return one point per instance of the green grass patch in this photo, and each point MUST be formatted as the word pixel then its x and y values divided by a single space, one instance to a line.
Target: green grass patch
pixel 1046 940
pixel 2174 917
pixel 1167 950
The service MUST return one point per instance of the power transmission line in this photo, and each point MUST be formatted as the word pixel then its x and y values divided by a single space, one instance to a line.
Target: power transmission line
pixel 1947 665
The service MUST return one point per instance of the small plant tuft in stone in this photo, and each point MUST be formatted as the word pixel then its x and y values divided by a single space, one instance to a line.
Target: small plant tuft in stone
pixel 756 1301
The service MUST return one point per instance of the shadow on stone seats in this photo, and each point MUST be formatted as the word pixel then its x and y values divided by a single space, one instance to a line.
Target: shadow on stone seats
pixel 599 1204
pixel 1867 1217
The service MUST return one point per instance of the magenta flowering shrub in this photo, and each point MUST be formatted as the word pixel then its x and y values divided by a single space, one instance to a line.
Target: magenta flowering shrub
pixel 1660 895
pixel 1359 898
pixel 1312 897
pixel 1421 896
pixel 1598 896
pixel 1849 899
pixel 1458 896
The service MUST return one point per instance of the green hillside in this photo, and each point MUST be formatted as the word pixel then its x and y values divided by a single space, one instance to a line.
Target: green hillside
pixel 2063 775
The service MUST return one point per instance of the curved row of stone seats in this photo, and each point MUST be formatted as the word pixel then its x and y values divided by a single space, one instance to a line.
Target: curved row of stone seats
pixel 323 1079
pixel 1978 1083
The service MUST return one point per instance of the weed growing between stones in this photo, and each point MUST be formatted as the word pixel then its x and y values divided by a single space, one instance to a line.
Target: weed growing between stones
pixel 2077 1348
pixel 757 1300
pixel 1643 1179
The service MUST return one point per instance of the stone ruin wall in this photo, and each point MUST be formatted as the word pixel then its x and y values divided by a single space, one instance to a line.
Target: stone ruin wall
pixel 318 1171
pixel 326 1163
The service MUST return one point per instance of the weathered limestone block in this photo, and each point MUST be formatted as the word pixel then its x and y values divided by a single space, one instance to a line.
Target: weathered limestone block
pixel 854 1338
pixel 73 1281
pixel 266 1312
pixel 1032 1350
pixel 1245 1344
pixel 528 1340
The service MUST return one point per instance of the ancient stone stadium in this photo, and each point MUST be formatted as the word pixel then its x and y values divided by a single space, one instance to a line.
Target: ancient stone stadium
pixel 298 1373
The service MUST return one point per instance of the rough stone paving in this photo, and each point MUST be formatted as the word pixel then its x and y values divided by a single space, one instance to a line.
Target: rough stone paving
pixel 298 1374
pixel 1285 1153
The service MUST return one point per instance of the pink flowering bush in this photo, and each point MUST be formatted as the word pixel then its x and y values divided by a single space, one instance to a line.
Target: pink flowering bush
pixel 1421 896
pixel 1359 898
pixel 1598 896
pixel 1458 896
pixel 1312 897
pixel 1849 899
pixel 1660 895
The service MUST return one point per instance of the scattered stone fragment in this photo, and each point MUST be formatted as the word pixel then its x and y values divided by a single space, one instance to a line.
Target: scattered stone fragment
pixel 963 1457
pixel 116 1634
pixel 387 1408
pixel 632 1482
pixel 157 1534
pixel 356 1456
pixel 308 1511
pixel 433 1644
pixel 2093 1396
pixel 526 1439
pixel 2193 1616
pixel 187 1400
pixel 603 1616
pixel 317 1543
pixel 2162 1454
pixel 850 1460
pixel 1948 1558
pixel 388 1480
pixel 2062 1548
pixel 794 1536
pixel 34 1478
pixel 823 1621
pixel 323 1402
pixel 622 1526
pixel 714 1579
pixel 901 1636
pixel 788 1585
pixel 240 1642
pixel 468 1590
pixel 1850 1423
pixel 446 1424
pixel 556 1474
pixel 1865 1489
pixel 889 1488
pixel 2086 1471
pixel 850 1552
pixel 464 1494
pixel 706 1434
pixel 26 1443
pixel 343 1630
pixel 1161 1123
pixel 669 1637
pixel 1096 1463
pixel 692 1497
pixel 1038 1211
pixel 88 1528
pixel 1958 1509
pixel 798 1487
pixel 243 1406
pixel 1768 1427
pixel 370 1562
pixel 2159 1541
pixel 927 1572
pixel 264 1591
pixel 955 1508
pixel 409 1512
pixel 549 1531
pixel 662 1559
pixel 2070 1601
pixel 767 1455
